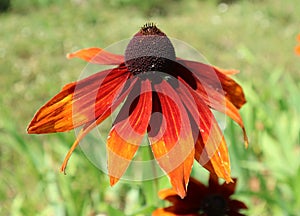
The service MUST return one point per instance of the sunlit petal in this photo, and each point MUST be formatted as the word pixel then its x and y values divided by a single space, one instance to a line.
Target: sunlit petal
pixel 128 131
pixel 97 56
pixel 217 101
pixel 226 71
pixel 213 79
pixel 218 90
pixel 92 124
pixel 172 144
pixel 210 145
pixel 80 102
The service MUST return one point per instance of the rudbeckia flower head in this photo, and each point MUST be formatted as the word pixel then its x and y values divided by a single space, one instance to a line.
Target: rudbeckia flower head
pixel 201 200
pixel 167 98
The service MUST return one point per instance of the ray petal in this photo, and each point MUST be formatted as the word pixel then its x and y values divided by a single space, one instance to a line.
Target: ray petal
pixel 219 91
pixel 128 131
pixel 97 56
pixel 217 80
pixel 217 101
pixel 172 145
pixel 92 124
pixel 210 146
pixel 80 102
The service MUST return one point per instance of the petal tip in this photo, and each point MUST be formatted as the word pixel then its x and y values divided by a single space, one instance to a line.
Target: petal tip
pixel 113 180
pixel 29 130
pixel 70 55
pixel 32 129
pixel 228 180
pixel 182 194
pixel 63 169
pixel 227 71
pixel 180 190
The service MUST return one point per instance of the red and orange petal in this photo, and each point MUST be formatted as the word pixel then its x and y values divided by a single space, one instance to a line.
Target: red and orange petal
pixel 92 124
pixel 210 144
pixel 172 145
pixel 80 102
pixel 97 56
pixel 128 131
pixel 214 80
pixel 225 71
pixel 223 94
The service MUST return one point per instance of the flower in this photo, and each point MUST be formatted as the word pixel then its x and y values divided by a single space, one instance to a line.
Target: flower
pixel 166 97
pixel 297 48
pixel 213 200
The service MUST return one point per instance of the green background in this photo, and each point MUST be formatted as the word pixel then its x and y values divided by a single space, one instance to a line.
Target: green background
pixel 255 37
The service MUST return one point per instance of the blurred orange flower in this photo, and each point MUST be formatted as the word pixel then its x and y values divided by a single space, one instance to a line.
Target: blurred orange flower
pixel 166 97
pixel 201 200
pixel 297 48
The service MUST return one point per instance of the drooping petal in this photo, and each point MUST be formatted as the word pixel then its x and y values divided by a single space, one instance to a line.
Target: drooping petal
pixel 210 145
pixel 80 102
pixel 92 124
pixel 128 131
pixel 210 83
pixel 97 56
pixel 217 101
pixel 214 79
pixel 172 143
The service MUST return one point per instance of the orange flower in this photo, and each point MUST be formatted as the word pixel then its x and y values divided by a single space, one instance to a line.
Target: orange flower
pixel 297 48
pixel 200 200
pixel 166 97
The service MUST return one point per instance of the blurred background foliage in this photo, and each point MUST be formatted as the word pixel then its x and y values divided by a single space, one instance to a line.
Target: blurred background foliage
pixel 256 37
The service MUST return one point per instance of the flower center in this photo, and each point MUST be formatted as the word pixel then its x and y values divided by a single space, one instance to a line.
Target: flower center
pixel 214 205
pixel 149 50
